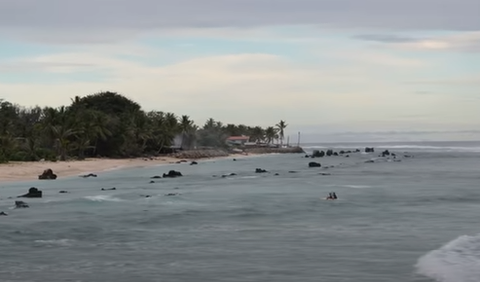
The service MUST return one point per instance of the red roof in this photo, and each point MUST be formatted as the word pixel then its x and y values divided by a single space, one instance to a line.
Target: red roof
pixel 238 138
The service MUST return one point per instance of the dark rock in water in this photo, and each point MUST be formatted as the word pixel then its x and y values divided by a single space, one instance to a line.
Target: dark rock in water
pixel 193 163
pixel 369 150
pixel 108 189
pixel 335 154
pixel 347 156
pixel 318 154
pixel 292 171
pixel 3 213
pixel 260 170
pixel 147 196
pixel 307 156
pixel 369 161
pixel 172 174
pixel 342 152
pixel 276 174
pixel 357 151
pixel 47 174
pixel 397 161
pixel 20 204
pixel 385 153
pixel 151 181
pixel 234 160
pixel 329 153
pixel 63 192
pixel 88 175
pixel 32 193
pixel 156 177
pixel 230 174
pixel 314 164
pixel 172 194
pixel 324 173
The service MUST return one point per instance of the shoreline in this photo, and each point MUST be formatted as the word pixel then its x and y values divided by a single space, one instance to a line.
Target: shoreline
pixel 29 171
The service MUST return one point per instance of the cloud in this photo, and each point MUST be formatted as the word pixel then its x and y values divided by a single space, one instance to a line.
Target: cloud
pixel 110 20
pixel 240 88
pixel 459 42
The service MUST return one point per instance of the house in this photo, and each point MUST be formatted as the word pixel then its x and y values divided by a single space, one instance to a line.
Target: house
pixel 237 140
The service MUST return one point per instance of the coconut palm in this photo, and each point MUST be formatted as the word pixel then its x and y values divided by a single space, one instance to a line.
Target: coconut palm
pixel 281 127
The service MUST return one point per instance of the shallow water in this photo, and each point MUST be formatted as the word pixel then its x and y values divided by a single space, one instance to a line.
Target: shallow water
pixel 414 220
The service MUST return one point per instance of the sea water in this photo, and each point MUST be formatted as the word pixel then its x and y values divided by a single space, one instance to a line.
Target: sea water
pixel 413 220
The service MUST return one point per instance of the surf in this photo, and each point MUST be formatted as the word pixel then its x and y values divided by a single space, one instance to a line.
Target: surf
pixel 456 261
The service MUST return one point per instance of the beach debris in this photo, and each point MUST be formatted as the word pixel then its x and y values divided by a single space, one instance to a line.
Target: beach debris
pixel 32 193
pixel 21 204
pixel 193 163
pixel 88 175
pixel 314 164
pixel 260 170
pixel 107 189
pixel 47 174
pixel 172 174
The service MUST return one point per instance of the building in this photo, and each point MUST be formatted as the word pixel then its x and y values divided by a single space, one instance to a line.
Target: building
pixel 237 140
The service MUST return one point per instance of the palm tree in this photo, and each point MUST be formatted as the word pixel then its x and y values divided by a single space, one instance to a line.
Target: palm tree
pixel 281 127
pixel 185 127
pixel 270 134
pixel 258 134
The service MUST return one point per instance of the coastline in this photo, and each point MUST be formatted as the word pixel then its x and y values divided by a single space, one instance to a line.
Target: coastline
pixel 29 171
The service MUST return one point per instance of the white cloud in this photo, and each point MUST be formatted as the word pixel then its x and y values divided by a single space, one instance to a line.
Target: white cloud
pixel 248 88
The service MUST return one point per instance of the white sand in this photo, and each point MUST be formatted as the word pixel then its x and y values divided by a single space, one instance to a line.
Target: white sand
pixel 26 171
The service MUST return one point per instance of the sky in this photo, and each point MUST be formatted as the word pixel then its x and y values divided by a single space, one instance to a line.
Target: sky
pixel 326 67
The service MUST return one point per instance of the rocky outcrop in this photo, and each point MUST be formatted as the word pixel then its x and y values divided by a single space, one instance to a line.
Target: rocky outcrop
pixel 47 174
pixel 201 154
pixel 289 150
pixel 32 193
pixel 21 204
pixel 172 174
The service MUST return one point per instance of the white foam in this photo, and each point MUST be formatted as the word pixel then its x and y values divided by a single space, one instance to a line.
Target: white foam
pixel 103 198
pixel 59 242
pixel 457 261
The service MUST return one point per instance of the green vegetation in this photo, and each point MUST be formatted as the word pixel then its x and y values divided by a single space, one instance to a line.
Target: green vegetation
pixel 109 125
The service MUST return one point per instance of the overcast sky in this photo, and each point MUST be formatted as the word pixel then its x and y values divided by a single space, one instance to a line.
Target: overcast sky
pixel 322 65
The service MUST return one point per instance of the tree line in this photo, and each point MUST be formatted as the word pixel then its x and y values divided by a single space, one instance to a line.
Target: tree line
pixel 108 124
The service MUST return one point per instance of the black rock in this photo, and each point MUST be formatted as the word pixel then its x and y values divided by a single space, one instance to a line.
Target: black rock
pixel 172 194
pixel 260 170
pixel 151 181
pixel 32 193
pixel 3 213
pixel 47 174
pixel 88 175
pixel 318 154
pixel 172 174
pixel 63 192
pixel 193 163
pixel 156 177
pixel 335 154
pixel 276 174
pixel 329 153
pixel 314 164
pixel 20 204
pixel 107 189
pixel 369 150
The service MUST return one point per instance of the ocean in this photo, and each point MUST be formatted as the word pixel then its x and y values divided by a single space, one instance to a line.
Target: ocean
pixel 413 220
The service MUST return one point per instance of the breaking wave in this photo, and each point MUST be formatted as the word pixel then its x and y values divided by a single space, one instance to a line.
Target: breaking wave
pixel 457 261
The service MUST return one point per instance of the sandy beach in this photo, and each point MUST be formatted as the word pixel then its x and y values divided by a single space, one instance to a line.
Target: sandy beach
pixel 26 171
